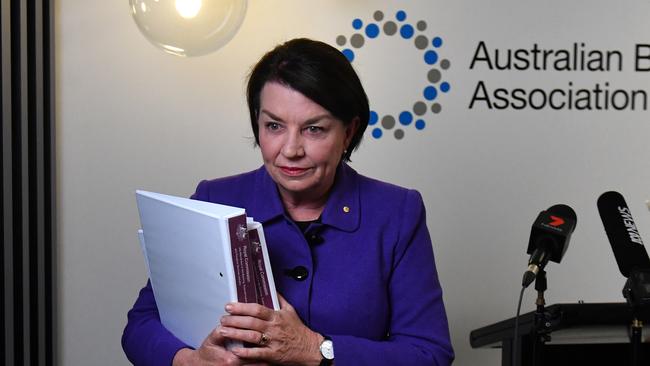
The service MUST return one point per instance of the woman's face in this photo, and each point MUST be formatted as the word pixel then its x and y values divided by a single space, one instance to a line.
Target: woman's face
pixel 301 142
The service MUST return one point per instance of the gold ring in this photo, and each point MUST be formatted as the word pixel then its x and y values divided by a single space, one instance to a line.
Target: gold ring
pixel 264 339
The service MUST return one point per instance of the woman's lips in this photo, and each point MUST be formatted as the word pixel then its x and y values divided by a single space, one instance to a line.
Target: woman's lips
pixel 293 171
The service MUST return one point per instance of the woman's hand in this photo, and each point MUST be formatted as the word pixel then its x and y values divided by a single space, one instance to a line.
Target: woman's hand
pixel 212 352
pixel 281 335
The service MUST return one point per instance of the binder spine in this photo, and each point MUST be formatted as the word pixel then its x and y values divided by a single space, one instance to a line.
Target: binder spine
pixel 241 259
pixel 261 281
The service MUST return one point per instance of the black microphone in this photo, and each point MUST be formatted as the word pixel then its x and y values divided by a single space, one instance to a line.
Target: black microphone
pixel 549 239
pixel 630 254
pixel 622 233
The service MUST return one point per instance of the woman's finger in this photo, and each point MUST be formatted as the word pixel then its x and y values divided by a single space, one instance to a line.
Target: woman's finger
pixel 215 337
pixel 243 322
pixel 246 335
pixel 254 353
pixel 284 304
pixel 249 309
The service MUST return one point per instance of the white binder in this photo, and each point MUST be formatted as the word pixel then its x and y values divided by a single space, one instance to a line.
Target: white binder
pixel 188 247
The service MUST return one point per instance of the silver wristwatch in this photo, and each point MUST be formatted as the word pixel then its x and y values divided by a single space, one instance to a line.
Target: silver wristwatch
pixel 327 351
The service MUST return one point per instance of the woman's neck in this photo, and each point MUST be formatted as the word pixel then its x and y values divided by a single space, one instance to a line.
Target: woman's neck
pixel 302 208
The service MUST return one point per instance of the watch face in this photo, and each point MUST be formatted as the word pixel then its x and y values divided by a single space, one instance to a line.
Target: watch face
pixel 327 349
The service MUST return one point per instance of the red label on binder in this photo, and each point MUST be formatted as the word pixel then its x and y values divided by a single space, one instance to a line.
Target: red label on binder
pixel 241 259
pixel 259 269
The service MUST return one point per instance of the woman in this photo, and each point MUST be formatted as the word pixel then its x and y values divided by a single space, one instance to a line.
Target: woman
pixel 351 255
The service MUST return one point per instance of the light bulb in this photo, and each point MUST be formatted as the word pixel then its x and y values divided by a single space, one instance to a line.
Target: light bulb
pixel 188 27
pixel 188 8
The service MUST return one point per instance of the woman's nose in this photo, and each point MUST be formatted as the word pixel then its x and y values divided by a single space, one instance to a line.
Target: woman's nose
pixel 293 146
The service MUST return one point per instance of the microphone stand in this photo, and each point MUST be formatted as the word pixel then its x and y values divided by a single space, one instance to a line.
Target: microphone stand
pixel 542 324
pixel 636 293
pixel 637 328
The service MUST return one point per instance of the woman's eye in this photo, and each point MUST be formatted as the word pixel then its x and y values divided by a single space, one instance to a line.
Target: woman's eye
pixel 315 129
pixel 273 126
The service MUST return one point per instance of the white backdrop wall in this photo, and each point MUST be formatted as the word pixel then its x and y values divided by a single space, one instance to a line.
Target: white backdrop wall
pixel 130 116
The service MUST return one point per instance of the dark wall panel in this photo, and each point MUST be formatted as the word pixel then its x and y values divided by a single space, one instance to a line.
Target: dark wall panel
pixel 27 254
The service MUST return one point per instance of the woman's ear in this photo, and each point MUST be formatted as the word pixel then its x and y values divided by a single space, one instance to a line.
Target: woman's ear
pixel 351 130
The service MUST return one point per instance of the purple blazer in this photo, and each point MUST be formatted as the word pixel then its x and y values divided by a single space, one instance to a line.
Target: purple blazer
pixel 371 280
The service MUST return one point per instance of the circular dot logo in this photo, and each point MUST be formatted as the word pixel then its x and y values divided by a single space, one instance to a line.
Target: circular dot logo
pixel 434 84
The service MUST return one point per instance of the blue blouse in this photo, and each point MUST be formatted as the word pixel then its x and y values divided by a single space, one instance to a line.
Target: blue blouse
pixel 371 280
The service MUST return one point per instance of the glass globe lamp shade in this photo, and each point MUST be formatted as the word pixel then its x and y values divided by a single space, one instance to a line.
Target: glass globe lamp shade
pixel 188 27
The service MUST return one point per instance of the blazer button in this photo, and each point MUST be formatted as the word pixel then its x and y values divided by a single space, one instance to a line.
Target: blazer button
pixel 298 273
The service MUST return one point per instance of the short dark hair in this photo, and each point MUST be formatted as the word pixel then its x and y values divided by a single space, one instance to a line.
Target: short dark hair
pixel 318 71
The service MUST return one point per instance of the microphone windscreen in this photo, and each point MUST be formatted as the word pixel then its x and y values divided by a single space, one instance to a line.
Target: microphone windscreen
pixel 563 211
pixel 552 231
pixel 622 233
